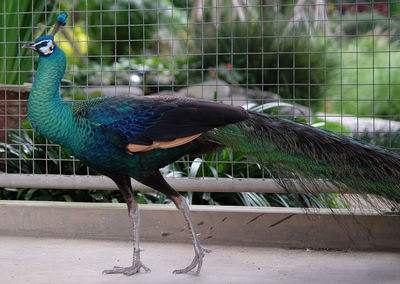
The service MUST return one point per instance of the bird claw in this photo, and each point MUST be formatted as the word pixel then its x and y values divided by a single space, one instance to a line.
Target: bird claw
pixel 130 270
pixel 197 261
pixel 207 250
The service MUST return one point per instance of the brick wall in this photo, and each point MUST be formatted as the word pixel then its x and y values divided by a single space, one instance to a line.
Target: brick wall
pixel 13 107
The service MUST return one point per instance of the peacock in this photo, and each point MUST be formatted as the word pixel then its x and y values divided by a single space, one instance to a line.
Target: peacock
pixel 133 137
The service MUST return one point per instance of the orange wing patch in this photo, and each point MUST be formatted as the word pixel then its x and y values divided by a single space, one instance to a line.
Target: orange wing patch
pixel 133 148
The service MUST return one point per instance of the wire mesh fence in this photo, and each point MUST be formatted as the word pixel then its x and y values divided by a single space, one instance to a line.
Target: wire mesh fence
pixel 332 64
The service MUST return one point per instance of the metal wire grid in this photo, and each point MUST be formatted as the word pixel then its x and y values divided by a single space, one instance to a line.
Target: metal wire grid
pixel 162 40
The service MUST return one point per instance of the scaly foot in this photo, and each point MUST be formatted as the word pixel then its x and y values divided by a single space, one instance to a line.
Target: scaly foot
pixel 197 261
pixel 130 270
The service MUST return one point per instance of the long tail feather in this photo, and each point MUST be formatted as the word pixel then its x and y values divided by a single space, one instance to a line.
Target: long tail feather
pixel 296 151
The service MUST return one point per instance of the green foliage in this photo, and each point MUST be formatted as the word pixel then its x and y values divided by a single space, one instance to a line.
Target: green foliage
pixel 155 73
pixel 24 156
pixel 265 54
pixel 332 126
pixel 357 25
pixel 119 25
pixel 394 9
pixel 387 139
pixel 29 152
pixel 368 82
pixel 260 51
pixel 13 34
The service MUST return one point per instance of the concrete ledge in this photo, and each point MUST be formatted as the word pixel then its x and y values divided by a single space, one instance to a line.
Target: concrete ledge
pixel 280 227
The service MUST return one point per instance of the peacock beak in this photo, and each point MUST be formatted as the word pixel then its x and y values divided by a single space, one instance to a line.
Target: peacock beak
pixel 30 45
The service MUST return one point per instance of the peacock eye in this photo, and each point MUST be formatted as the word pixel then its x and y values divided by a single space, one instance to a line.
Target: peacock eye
pixel 41 44
pixel 45 47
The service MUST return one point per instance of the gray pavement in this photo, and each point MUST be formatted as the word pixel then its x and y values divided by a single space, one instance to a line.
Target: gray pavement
pixel 47 260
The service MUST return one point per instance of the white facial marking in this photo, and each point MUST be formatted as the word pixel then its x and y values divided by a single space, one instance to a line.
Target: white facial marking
pixel 45 46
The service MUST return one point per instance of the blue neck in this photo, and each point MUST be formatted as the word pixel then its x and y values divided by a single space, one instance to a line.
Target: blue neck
pixel 47 112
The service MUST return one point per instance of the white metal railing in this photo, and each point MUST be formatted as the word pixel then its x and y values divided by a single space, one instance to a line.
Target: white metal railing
pixel 180 184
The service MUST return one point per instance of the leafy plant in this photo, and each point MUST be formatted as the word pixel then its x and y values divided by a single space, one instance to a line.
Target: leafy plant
pixel 30 152
pixel 387 139
pixel 118 28
pixel 17 18
pixel 267 56
pixel 288 63
pixel 151 72
pixel 355 25
pixel 367 84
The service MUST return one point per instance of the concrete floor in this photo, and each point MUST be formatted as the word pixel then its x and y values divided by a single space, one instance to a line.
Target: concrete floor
pixel 47 260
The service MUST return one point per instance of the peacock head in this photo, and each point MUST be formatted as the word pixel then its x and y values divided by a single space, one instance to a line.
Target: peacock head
pixel 45 45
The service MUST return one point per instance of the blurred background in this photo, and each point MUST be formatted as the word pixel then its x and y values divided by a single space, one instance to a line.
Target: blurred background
pixel 332 64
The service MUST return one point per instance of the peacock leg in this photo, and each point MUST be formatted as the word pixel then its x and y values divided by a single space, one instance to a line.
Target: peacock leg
pixel 156 181
pixel 199 250
pixel 124 184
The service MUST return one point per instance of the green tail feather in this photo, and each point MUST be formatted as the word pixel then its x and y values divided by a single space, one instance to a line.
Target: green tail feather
pixel 295 151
